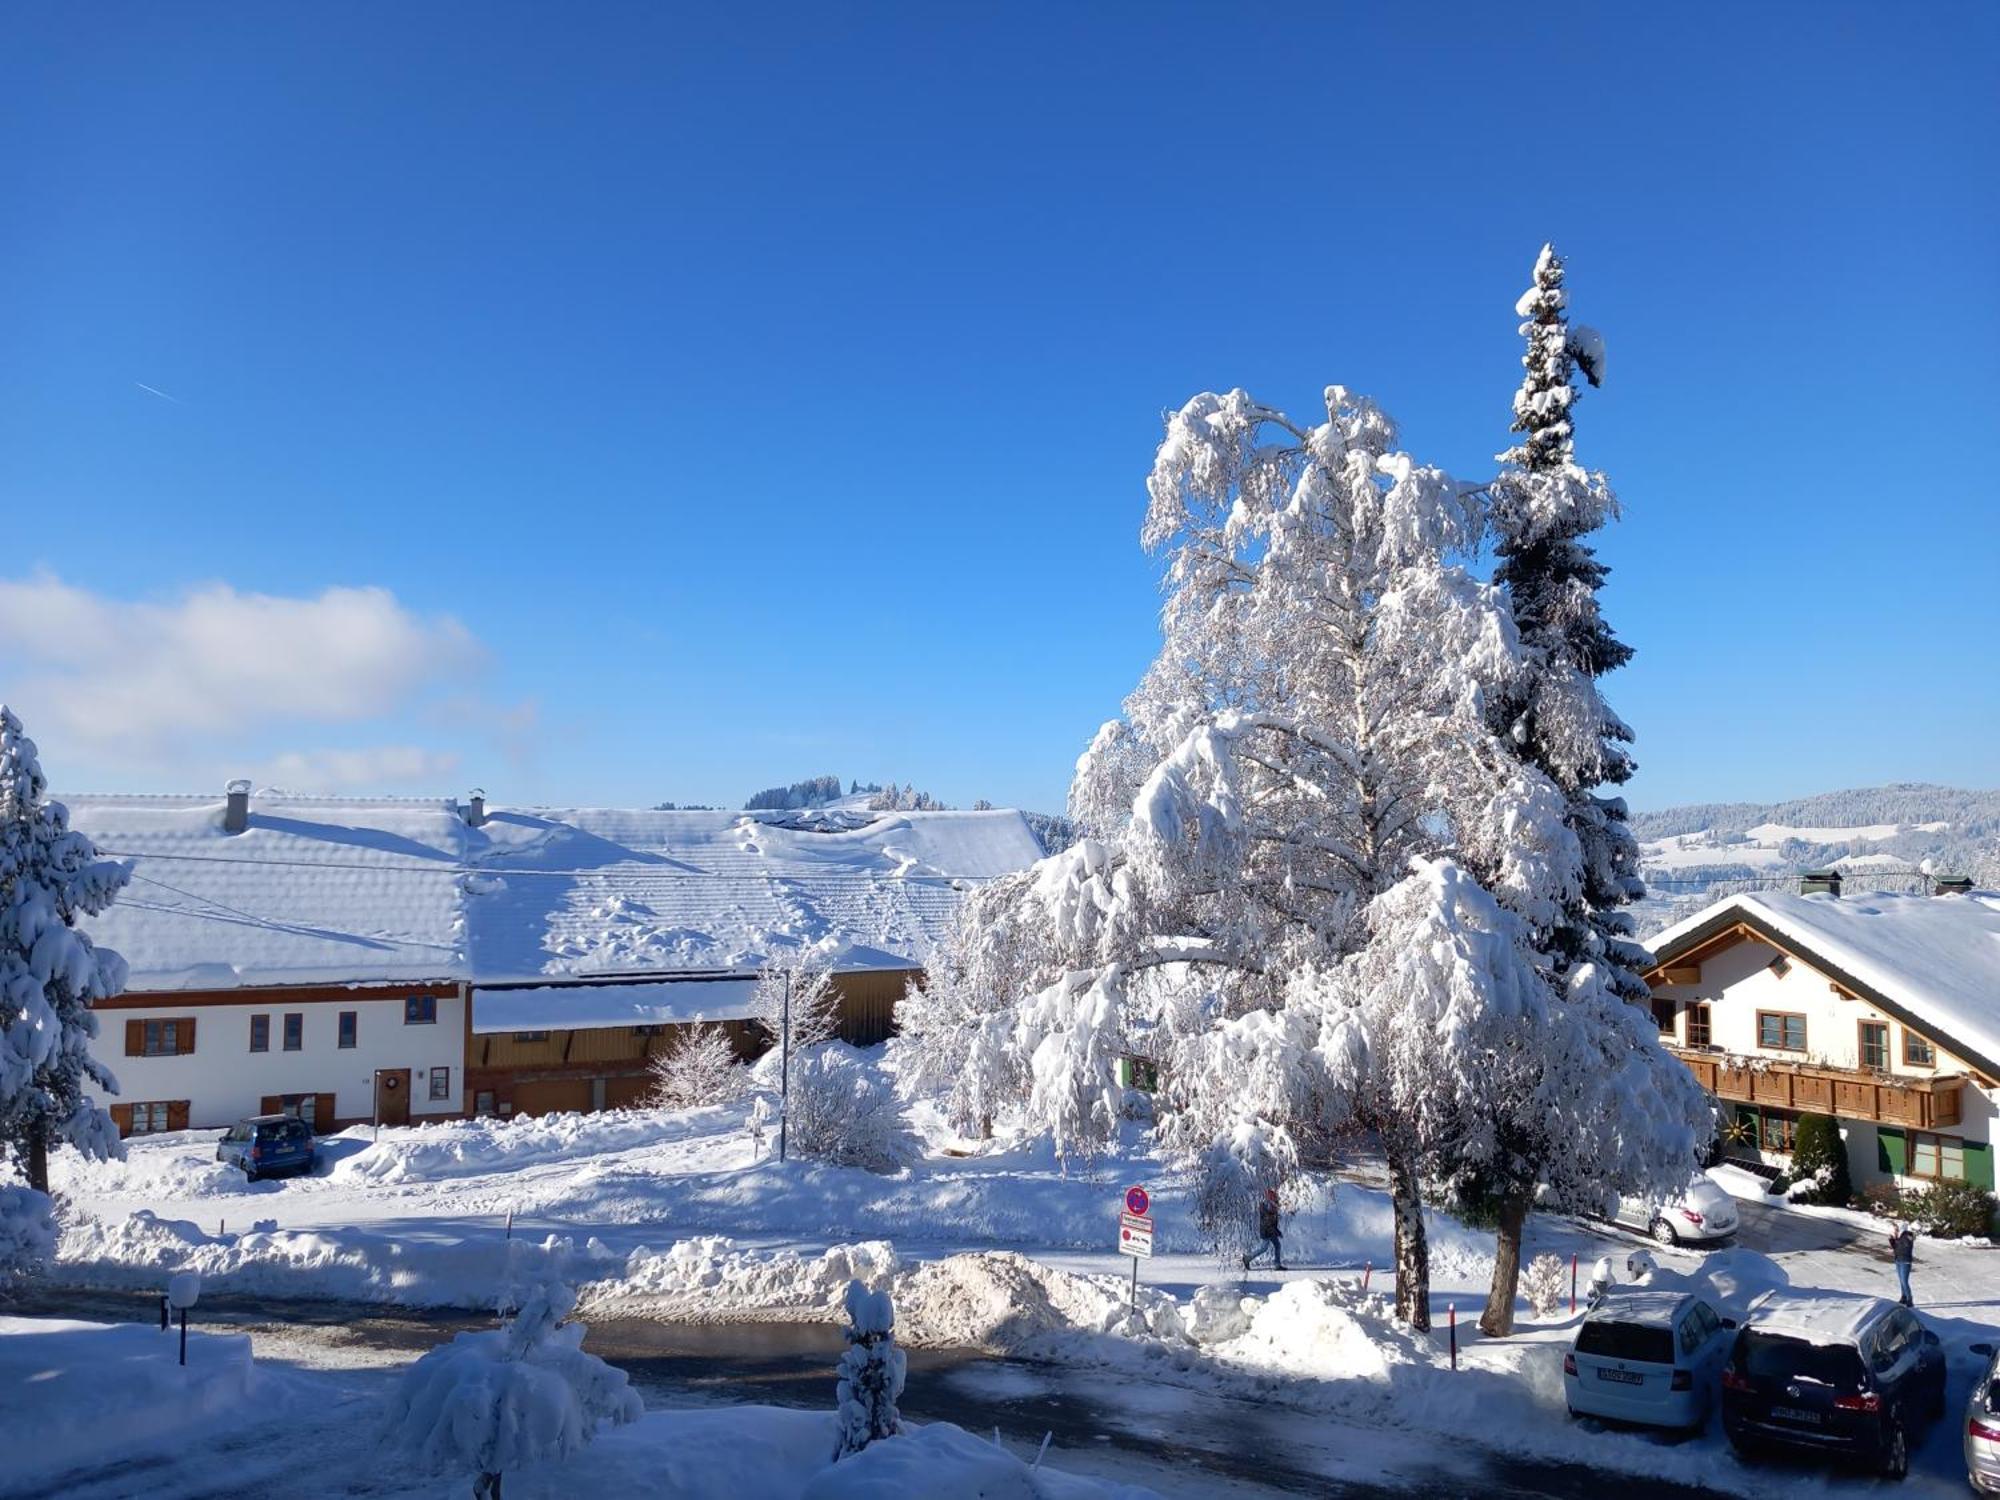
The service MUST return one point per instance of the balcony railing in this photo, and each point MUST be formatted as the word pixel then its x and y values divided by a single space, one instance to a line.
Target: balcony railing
pixel 1851 1093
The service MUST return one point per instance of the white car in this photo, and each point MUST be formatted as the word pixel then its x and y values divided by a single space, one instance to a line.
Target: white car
pixel 1982 1425
pixel 1704 1212
pixel 1647 1356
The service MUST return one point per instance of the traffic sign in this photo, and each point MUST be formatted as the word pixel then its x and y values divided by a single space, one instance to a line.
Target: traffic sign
pixel 1136 1201
pixel 1135 1236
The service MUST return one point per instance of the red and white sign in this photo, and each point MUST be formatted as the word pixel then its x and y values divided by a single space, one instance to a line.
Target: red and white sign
pixel 1137 1203
pixel 1135 1235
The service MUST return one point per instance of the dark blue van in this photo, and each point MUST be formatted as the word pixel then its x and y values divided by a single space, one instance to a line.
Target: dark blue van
pixel 268 1146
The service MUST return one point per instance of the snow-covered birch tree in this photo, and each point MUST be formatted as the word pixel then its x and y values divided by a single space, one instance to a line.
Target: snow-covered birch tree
pixel 50 972
pixel 1615 1111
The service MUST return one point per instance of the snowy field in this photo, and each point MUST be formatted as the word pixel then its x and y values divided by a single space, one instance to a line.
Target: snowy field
pixel 681 1217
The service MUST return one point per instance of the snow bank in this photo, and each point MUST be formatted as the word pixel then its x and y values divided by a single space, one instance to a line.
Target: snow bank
pixel 710 1277
pixel 73 1392
pixel 1009 1304
pixel 461 1148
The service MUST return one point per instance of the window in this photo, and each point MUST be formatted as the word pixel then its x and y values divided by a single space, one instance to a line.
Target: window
pixel 295 1031
pixel 1634 1341
pixel 1937 1156
pixel 647 1030
pixel 1782 1031
pixel 1918 1051
pixel 260 1033
pixel 420 1010
pixel 1774 1130
pixel 168 1038
pixel 1663 1016
pixel 531 1036
pixel 440 1083
pixel 1698 1025
pixel 482 1102
pixel 1874 1044
pixel 302 1107
pixel 348 1024
pixel 149 1118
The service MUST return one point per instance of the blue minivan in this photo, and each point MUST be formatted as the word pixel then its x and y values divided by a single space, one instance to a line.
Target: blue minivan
pixel 268 1146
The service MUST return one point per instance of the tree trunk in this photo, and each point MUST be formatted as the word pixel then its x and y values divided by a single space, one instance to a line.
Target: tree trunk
pixel 1498 1319
pixel 1413 1255
pixel 38 1153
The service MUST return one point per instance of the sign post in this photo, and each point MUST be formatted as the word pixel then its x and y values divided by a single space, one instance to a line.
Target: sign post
pixel 1135 1234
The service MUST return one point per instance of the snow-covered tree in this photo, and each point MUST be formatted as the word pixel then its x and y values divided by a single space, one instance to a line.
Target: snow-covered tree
pixel 814 1003
pixel 50 973
pixel 871 1372
pixel 839 1111
pixel 697 1068
pixel 1544 507
pixel 522 1394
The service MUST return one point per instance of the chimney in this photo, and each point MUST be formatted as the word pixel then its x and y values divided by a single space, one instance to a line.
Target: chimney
pixel 475 807
pixel 1814 882
pixel 236 811
pixel 1952 885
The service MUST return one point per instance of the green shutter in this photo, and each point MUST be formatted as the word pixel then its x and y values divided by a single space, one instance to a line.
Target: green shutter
pixel 1979 1164
pixel 1892 1150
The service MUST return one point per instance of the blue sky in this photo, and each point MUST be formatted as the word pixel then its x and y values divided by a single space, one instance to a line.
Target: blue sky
pixel 679 400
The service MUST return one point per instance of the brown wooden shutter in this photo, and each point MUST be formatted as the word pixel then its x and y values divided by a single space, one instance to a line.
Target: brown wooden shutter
pixel 121 1116
pixel 271 1104
pixel 135 1046
pixel 187 1034
pixel 177 1114
pixel 322 1113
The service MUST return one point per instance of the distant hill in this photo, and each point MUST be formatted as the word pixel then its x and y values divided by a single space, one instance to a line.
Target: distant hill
pixel 1888 837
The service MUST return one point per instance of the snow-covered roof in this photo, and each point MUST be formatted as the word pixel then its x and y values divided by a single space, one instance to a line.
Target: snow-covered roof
pixel 1936 957
pixel 320 890
pixel 1817 1317
pixel 564 1007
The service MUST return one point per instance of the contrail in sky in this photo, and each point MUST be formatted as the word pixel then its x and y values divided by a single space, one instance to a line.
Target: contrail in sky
pixel 151 391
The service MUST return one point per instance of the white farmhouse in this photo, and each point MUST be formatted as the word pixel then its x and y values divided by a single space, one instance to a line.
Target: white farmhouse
pixel 1880 1010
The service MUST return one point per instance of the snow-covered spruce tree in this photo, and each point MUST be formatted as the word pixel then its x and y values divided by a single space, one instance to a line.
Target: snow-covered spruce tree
pixel 698 1068
pixel 522 1394
pixel 49 972
pixel 814 1003
pixel 871 1372
pixel 1638 1117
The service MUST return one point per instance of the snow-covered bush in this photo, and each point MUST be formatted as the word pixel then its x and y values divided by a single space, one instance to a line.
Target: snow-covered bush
pixel 813 1003
pixel 1545 1284
pixel 840 1112
pixel 27 1233
pixel 699 1068
pixel 871 1371
pixel 522 1394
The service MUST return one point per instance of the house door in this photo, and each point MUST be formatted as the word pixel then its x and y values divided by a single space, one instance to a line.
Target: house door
pixel 392 1096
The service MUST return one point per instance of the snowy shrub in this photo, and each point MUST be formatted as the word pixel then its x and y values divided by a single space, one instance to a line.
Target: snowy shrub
pixel 840 1112
pixel 1950 1210
pixel 700 1068
pixel 1545 1284
pixel 526 1393
pixel 814 1004
pixel 27 1233
pixel 871 1371
pixel 1819 1162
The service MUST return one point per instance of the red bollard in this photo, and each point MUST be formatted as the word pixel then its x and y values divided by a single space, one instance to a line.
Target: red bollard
pixel 1451 1312
pixel 1572 1283
pixel 1367 1270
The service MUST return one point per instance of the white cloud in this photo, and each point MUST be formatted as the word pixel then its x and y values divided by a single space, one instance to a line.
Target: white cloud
pixel 215 673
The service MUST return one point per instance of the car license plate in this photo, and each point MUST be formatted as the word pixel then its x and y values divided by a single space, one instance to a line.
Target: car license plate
pixel 1623 1377
pixel 1794 1414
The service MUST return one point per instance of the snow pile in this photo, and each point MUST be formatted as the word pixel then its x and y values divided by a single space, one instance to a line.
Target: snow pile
pixel 1008 1304
pixel 27 1230
pixel 1328 1329
pixel 710 1277
pixel 71 1392
pixel 460 1148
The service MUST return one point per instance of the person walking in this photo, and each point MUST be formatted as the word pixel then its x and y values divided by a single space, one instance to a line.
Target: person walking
pixel 1903 1249
pixel 1270 1233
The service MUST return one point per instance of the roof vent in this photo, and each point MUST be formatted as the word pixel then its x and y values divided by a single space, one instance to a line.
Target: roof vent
pixel 475 807
pixel 1817 882
pixel 1952 885
pixel 236 811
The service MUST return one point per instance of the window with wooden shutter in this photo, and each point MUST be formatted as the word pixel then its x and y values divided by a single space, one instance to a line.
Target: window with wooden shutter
pixel 177 1113
pixel 135 1040
pixel 121 1116
pixel 323 1112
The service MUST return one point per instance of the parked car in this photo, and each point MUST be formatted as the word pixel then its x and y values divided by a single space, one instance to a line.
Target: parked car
pixel 268 1146
pixel 1647 1356
pixel 1853 1377
pixel 1705 1212
pixel 1982 1425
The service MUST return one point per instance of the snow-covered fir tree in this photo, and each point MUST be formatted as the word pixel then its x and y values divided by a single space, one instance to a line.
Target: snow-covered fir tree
pixel 871 1372
pixel 50 972
pixel 1544 507
pixel 523 1394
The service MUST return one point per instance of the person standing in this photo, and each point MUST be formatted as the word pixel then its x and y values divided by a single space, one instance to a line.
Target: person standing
pixel 1270 1233
pixel 1903 1249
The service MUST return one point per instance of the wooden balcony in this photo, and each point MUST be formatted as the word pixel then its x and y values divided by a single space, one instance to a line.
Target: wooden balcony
pixel 1850 1093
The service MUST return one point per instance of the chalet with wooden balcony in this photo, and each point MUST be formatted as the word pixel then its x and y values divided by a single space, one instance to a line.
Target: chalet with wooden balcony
pixel 1880 1010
